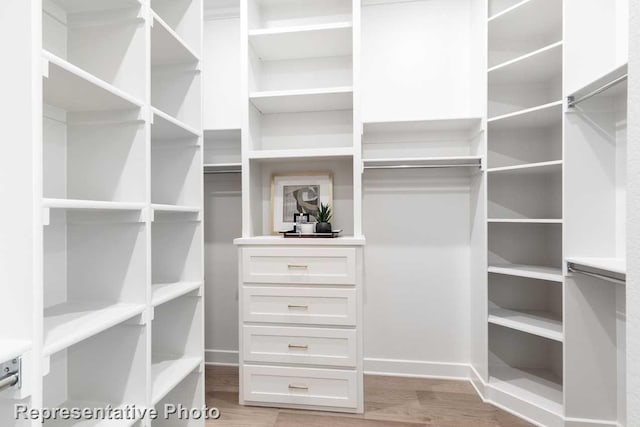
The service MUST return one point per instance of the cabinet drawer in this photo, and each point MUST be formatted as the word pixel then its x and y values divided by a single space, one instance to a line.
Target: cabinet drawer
pixel 313 306
pixel 332 266
pixel 300 386
pixel 314 346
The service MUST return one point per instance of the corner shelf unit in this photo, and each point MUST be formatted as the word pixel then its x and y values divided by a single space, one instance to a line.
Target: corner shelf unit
pixel 117 187
pixel 525 220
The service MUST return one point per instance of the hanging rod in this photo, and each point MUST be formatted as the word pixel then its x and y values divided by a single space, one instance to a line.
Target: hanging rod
pixel 12 374
pixel 421 166
pixel 599 274
pixel 572 101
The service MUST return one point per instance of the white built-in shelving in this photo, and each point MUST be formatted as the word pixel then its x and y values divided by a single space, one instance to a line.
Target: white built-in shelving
pixel 167 47
pixel 116 171
pixel 299 101
pixel 303 100
pixel 541 323
pixel 531 271
pixel 304 41
pixel 431 142
pixel 524 27
pixel 525 169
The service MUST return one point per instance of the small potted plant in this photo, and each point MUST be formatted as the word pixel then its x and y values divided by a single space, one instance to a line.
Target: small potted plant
pixel 324 219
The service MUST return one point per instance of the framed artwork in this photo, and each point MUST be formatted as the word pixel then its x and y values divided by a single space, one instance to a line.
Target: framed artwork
pixel 299 193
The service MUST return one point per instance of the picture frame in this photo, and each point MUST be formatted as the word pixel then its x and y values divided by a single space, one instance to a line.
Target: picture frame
pixel 293 193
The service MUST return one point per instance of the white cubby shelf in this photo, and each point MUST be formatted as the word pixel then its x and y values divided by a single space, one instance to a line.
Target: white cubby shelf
pixel 541 323
pixel 167 47
pixel 303 100
pixel 525 27
pixel 319 40
pixel 530 271
pixel 63 81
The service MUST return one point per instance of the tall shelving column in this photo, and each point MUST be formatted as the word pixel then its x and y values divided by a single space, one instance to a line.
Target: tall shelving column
pixel 116 206
pixel 94 205
pixel 525 207
pixel 176 201
pixel 300 63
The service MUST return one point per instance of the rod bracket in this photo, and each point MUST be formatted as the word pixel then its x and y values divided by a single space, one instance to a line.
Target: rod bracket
pixel 11 374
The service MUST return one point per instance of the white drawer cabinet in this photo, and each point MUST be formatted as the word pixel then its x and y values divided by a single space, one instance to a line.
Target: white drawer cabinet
pixel 301 323
pixel 296 305
pixel 300 386
pixel 305 346
pixel 322 266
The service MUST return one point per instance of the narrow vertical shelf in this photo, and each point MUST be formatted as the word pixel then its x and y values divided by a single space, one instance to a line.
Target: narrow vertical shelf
pixel 525 207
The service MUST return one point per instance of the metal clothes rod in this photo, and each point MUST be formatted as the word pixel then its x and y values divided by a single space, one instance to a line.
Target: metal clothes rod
pixel 573 102
pixel 9 381
pixel 221 172
pixel 573 269
pixel 421 166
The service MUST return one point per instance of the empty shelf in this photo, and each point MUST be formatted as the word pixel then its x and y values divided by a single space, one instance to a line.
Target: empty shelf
pixel 169 371
pixel 175 208
pixel 91 205
pixel 166 45
pixel 540 116
pixel 13 348
pixel 222 134
pixel 537 386
pixel 63 82
pixel 525 221
pixel 307 100
pixel 540 323
pixel 542 65
pixel 223 168
pixel 311 153
pixel 168 127
pixel 75 6
pixel 426 162
pixel 323 40
pixel 530 168
pixel 527 20
pixel 469 124
pixel 69 323
pixel 530 271
pixel 165 292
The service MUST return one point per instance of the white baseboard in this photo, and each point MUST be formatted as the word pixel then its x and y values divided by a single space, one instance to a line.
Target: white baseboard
pixel 221 357
pixel 416 368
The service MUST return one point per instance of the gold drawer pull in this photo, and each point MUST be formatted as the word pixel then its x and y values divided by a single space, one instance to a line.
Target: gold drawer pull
pixel 298 387
pixel 299 306
pixel 298 347
pixel 297 267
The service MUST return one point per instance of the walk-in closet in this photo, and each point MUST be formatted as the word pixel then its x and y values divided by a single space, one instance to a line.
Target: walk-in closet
pixel 281 213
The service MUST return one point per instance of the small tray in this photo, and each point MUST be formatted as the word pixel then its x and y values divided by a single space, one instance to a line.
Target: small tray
pixel 296 235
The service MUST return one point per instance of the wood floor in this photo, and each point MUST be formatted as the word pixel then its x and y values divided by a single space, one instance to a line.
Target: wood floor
pixel 389 402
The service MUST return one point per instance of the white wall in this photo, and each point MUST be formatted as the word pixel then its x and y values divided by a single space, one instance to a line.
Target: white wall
pixel 221 73
pixel 417 296
pixel 633 209
pixel 416 60
pixel 222 224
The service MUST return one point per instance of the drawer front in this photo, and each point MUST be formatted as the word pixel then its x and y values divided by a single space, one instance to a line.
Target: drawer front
pixel 331 266
pixel 300 386
pixel 311 306
pixel 312 346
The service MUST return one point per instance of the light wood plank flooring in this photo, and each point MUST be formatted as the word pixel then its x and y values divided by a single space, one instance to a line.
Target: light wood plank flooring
pixel 389 402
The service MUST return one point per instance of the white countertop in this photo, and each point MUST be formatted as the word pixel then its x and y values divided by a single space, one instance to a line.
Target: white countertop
pixel 292 241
